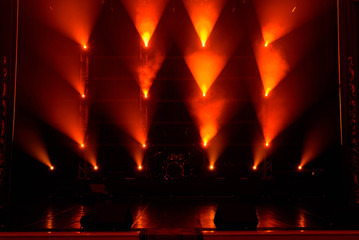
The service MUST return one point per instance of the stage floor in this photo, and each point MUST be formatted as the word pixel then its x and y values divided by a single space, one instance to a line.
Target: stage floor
pixel 173 213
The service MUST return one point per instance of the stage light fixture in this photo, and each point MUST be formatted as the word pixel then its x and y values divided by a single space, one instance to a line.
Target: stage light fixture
pixel 145 95
pixel 204 144
pixel 83 96
pixel 144 145
pixel 254 168
pixel 267 144
pixel 84 46
pixel 139 167
pixel 146 38
pixel 266 44
pixel 203 44
pixel 204 94
pixel 95 167
pixel 267 92
pixel 52 168
pixel 299 167
pixel 82 145
pixel 211 167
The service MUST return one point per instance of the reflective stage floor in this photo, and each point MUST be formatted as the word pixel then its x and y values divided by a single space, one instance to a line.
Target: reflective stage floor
pixel 177 213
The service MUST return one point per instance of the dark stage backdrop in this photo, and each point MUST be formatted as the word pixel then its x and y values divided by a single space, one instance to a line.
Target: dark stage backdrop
pixel 306 100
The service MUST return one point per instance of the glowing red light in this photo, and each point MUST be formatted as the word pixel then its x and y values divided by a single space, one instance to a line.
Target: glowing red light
pixel 82 145
pixel 299 167
pixel 95 167
pixel 140 167
pixel 254 167
pixel 204 94
pixel 144 145
pixel 83 96
pixel 211 167
pixel 84 46
pixel 266 44
pixel 204 144
pixel 267 144
pixel 52 168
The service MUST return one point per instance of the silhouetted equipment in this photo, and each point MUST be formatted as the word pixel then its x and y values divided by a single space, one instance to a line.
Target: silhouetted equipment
pixel 107 217
pixel 236 216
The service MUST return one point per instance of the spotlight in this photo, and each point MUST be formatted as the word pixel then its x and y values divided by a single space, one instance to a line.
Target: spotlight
pixel 95 167
pixel 52 168
pixel 266 44
pixel 83 96
pixel 254 167
pixel 267 92
pixel 146 38
pixel 267 144
pixel 211 167
pixel 204 144
pixel 145 95
pixel 204 94
pixel 139 167
pixel 299 167
pixel 82 145
pixel 84 46
pixel 203 43
pixel 144 145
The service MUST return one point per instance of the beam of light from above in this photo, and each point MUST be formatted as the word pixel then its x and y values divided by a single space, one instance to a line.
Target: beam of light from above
pixel 205 66
pixel 145 15
pixel 74 19
pixel 279 17
pixel 204 15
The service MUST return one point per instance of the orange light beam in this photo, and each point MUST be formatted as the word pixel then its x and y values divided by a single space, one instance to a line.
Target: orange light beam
pixel 145 15
pixel 205 66
pixel 204 15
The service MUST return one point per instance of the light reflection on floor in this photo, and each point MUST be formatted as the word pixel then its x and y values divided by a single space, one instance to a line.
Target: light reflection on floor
pixel 165 213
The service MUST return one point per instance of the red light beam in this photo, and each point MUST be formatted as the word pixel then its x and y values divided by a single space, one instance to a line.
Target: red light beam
pixel 204 15
pixel 145 15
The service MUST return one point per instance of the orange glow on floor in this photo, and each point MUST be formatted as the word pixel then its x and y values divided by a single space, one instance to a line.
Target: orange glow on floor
pixel 204 15
pixel 205 67
pixel 145 15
